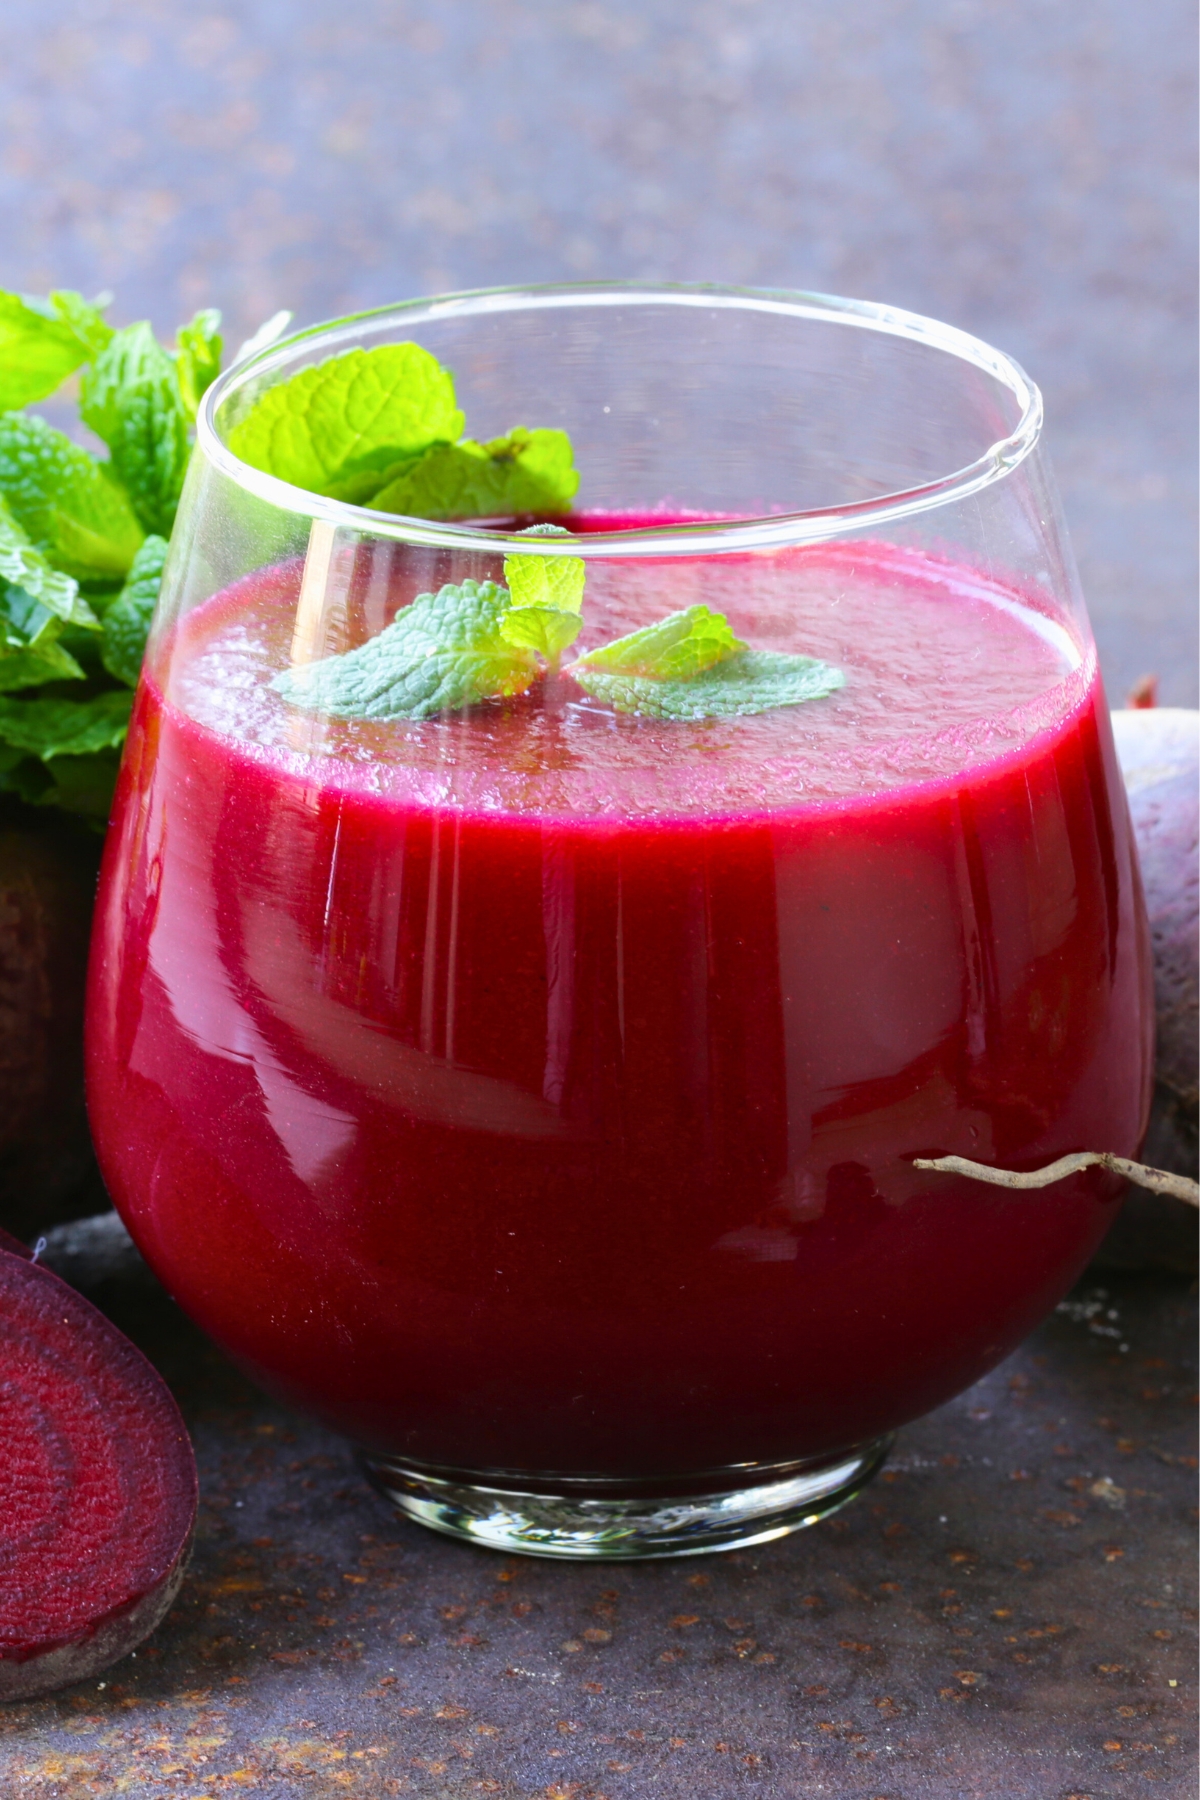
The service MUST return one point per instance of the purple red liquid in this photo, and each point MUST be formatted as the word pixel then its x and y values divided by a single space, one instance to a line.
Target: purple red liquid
pixel 536 1089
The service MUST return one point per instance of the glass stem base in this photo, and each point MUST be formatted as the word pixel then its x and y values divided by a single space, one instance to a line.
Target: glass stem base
pixel 618 1521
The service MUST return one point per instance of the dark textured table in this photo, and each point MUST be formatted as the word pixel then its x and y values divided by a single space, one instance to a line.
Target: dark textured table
pixel 1004 1613
pixel 1009 1611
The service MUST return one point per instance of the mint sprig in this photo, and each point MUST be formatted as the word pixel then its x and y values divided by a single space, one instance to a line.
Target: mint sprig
pixel 346 426
pixel 524 472
pixel 54 727
pixel 473 642
pixel 691 666
pixel 440 654
pixel 381 428
pixel 83 542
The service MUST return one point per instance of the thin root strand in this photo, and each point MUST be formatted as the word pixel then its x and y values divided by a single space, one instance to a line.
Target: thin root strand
pixel 1159 1181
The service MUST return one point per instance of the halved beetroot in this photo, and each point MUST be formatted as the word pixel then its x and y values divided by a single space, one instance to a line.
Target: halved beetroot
pixel 97 1487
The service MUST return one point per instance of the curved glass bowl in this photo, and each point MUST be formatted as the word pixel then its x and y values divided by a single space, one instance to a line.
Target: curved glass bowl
pixel 532 1091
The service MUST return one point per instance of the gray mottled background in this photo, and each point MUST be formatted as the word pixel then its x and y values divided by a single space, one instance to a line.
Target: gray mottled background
pixel 1023 169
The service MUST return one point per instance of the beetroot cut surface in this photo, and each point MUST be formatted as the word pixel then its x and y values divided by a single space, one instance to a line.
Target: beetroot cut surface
pixel 97 1487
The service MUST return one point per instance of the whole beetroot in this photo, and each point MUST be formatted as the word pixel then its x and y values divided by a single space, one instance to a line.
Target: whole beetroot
pixel 1159 751
pixel 47 884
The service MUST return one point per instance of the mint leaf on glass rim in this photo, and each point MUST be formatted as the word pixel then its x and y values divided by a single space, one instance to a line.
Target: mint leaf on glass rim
pixel 66 501
pixel 132 401
pixel 691 666
pixel 442 653
pixel 339 427
pixel 524 472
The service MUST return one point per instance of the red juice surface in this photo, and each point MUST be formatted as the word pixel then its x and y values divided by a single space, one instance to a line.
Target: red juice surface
pixel 536 1088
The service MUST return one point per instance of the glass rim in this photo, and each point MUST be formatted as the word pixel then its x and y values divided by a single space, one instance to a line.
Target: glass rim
pixel 702 537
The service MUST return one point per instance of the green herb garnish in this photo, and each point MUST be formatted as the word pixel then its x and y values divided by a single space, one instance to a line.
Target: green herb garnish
pixel 690 666
pixel 545 598
pixel 198 349
pixel 470 643
pixel 677 648
pixel 443 652
pixel 466 643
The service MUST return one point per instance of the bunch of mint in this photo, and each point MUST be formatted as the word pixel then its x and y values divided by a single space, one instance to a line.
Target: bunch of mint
pixel 83 537
pixel 83 540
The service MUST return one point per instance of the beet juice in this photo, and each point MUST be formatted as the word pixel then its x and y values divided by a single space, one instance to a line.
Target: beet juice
pixel 534 1090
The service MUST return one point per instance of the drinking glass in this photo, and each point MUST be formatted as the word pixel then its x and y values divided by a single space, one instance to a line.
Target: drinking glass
pixel 532 1092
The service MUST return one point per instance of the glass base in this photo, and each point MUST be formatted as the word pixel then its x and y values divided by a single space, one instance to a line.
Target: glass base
pixel 618 1521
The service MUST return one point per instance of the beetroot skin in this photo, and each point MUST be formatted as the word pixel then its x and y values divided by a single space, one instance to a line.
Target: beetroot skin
pixel 97 1487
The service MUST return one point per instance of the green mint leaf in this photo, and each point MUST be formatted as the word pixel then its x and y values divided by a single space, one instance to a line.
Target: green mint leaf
pixel 23 776
pixel 50 728
pixel 198 348
pixel 65 501
pixel 127 621
pixel 84 317
pixel 131 399
pixel 441 653
pixel 25 624
pixel 546 596
pixel 30 668
pixel 355 414
pixel 525 472
pixel 541 628
pixel 751 681
pixel 681 646
pixel 554 582
pixel 38 350
pixel 82 785
pixel 24 566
